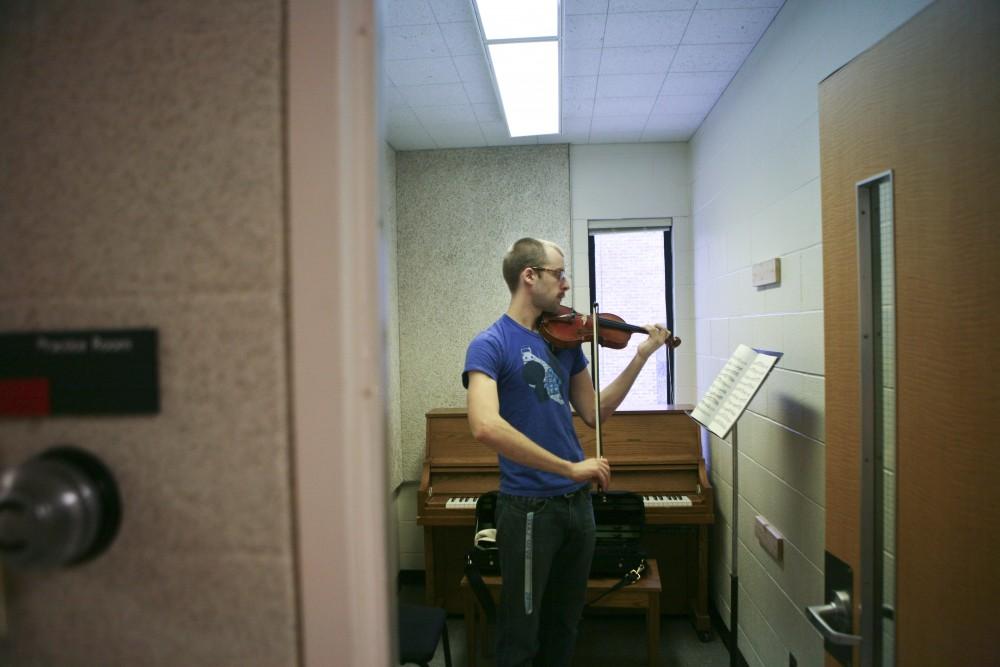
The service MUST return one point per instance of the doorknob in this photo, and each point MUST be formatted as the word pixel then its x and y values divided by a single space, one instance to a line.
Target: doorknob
pixel 837 612
pixel 58 508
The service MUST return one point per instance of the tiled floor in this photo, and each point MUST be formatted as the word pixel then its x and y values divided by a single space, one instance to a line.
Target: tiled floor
pixel 606 640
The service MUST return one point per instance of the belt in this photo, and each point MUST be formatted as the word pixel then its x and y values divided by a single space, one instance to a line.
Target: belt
pixel 572 494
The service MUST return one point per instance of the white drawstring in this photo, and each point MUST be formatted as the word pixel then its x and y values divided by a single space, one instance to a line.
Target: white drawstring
pixel 527 562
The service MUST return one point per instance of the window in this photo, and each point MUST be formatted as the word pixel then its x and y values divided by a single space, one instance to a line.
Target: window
pixel 631 271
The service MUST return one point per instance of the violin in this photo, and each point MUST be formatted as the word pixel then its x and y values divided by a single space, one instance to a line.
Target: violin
pixel 567 328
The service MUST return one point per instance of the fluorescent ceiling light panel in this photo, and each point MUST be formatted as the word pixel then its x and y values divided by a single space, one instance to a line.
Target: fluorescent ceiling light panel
pixel 527 75
pixel 519 19
pixel 522 41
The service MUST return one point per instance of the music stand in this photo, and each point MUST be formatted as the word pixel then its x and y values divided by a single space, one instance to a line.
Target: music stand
pixel 719 411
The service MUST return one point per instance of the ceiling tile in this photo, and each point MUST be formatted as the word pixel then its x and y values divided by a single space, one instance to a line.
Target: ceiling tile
pixel 584 31
pixel 472 68
pixel 435 95
pixel 576 126
pixel 561 139
pixel 480 91
pixel 457 114
pixel 579 87
pixel 488 113
pixel 651 135
pixel 457 135
pixel 615 83
pixel 615 137
pixel 675 122
pixel 414 41
pixel 677 104
pixel 629 85
pixel 421 71
pixel 717 26
pixel 401 116
pixel 462 38
pixel 738 4
pixel 645 28
pixel 581 62
pixel 452 11
pixel 409 137
pixel 583 108
pixel 571 139
pixel 496 134
pixel 633 123
pixel 393 99
pixel 408 12
pixel 618 6
pixel 671 128
pixel 696 83
pixel 586 7
pixel 623 106
pixel 637 59
pixel 710 57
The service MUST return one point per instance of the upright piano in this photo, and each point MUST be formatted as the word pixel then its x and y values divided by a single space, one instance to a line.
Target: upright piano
pixel 656 454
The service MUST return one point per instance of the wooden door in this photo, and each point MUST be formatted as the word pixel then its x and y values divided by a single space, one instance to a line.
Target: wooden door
pixel 923 105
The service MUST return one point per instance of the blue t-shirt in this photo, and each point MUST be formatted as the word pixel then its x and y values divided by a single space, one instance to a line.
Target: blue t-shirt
pixel 533 389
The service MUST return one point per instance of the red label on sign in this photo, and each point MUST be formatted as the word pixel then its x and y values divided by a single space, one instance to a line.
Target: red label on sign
pixel 27 397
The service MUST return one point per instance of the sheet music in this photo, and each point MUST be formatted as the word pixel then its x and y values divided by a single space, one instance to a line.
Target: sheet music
pixel 733 389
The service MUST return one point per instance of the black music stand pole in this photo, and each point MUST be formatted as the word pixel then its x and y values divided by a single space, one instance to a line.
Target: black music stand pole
pixel 734 578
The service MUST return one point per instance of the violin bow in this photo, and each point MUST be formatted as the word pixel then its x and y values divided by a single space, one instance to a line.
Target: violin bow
pixel 594 353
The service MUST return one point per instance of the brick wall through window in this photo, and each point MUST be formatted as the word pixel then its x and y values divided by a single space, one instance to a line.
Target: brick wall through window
pixel 630 283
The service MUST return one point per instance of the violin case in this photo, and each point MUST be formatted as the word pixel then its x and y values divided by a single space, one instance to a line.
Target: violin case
pixel 484 555
pixel 619 515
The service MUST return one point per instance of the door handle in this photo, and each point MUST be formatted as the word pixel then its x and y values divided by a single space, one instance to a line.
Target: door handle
pixel 59 508
pixel 836 612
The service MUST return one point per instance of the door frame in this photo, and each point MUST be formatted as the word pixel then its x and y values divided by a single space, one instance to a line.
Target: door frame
pixel 335 341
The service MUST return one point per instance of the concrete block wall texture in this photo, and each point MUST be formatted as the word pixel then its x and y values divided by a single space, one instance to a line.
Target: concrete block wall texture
pixel 458 211
pixel 142 187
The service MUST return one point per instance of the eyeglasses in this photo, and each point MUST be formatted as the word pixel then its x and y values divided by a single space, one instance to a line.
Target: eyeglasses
pixel 560 274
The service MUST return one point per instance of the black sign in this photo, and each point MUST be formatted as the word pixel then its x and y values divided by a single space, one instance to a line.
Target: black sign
pixel 104 372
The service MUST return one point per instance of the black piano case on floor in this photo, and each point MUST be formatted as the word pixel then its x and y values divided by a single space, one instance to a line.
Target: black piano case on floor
pixel 620 517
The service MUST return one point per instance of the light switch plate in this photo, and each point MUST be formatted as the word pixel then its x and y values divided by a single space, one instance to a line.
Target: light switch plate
pixel 767 272
pixel 769 538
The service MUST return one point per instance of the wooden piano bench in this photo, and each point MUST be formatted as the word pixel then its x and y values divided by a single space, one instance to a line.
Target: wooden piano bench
pixel 643 594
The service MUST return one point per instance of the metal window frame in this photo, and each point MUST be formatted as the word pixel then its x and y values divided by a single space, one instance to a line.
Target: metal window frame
pixel 872 455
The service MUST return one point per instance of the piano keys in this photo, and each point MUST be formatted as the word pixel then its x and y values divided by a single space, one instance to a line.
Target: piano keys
pixel 656 454
pixel 467 502
pixel 461 503
pixel 666 501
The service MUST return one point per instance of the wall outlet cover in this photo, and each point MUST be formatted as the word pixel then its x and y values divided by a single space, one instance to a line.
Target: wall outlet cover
pixel 769 538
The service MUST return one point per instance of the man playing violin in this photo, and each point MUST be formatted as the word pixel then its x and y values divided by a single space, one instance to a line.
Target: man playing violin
pixel 520 390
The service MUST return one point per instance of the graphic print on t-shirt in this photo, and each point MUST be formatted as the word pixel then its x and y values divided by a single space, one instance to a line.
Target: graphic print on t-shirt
pixel 540 377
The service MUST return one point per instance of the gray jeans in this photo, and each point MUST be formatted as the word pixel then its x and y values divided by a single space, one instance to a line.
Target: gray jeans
pixel 553 539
